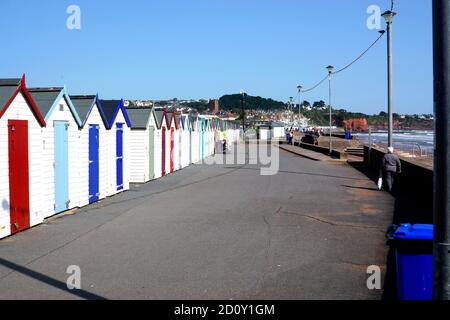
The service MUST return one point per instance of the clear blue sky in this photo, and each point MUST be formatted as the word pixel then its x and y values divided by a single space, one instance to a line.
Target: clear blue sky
pixel 157 49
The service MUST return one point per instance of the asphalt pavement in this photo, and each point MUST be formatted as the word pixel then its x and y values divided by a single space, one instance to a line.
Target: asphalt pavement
pixel 212 232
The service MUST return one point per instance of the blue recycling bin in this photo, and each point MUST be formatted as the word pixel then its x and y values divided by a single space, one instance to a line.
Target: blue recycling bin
pixel 348 135
pixel 414 255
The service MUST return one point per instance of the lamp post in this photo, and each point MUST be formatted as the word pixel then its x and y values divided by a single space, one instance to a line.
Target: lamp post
pixel 243 110
pixel 299 88
pixel 330 70
pixel 389 16
pixel 441 44
pixel 291 109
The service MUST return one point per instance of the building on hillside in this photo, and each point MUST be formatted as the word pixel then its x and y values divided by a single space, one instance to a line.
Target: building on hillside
pixel 214 106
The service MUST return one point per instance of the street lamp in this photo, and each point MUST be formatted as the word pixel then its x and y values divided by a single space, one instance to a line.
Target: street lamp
pixel 330 70
pixel 389 17
pixel 243 110
pixel 299 88
pixel 291 109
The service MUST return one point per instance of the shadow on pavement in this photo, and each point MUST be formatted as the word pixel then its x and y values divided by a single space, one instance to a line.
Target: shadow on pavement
pixel 50 281
pixel 411 206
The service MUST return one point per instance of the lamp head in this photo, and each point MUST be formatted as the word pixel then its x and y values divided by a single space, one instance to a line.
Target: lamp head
pixel 389 16
pixel 330 69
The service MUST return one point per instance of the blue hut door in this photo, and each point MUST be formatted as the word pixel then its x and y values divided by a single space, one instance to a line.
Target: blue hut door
pixel 119 155
pixel 61 165
pixel 93 163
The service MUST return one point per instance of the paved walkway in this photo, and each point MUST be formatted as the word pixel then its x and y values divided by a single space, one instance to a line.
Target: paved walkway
pixel 308 154
pixel 212 232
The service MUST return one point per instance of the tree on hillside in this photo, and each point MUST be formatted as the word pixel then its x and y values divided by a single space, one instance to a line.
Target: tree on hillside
pixel 319 104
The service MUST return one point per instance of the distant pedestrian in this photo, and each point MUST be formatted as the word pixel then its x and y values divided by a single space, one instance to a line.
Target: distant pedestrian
pixel 291 137
pixel 224 146
pixel 390 167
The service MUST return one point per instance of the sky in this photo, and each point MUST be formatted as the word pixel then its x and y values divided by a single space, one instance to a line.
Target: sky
pixel 191 49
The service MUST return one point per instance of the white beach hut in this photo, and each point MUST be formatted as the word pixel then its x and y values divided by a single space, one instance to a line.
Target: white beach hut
pixel 162 120
pixel 93 152
pixel 119 127
pixel 145 145
pixel 60 183
pixel 21 123
pixel 195 145
pixel 186 141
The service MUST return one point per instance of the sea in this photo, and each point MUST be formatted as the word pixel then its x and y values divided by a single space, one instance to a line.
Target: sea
pixel 413 141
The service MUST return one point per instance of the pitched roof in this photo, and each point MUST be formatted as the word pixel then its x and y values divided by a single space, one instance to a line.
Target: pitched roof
pixel 9 89
pixel 6 93
pixel 139 117
pixel 84 105
pixel 111 108
pixel 160 114
pixel 45 98
pixel 178 120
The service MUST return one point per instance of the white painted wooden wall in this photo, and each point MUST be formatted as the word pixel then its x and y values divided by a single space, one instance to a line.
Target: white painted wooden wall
pixel 19 110
pixel 83 161
pixel 48 170
pixel 112 149
pixel 158 152
pixel 139 171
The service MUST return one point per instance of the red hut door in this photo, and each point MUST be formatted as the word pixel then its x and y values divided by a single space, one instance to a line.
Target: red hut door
pixel 172 149
pixel 19 195
pixel 163 158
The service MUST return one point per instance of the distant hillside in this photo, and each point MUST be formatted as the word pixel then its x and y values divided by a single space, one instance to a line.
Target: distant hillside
pixel 233 102
pixel 319 115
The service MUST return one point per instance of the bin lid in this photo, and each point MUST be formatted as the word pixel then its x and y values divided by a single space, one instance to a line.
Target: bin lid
pixel 418 232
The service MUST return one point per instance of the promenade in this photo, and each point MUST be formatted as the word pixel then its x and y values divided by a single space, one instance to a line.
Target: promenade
pixel 213 232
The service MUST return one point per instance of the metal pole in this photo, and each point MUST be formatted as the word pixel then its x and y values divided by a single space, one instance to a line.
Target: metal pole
pixel 390 116
pixel 299 106
pixel 243 111
pixel 441 45
pixel 329 99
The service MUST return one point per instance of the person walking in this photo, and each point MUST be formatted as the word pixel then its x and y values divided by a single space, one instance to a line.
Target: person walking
pixel 291 136
pixel 390 167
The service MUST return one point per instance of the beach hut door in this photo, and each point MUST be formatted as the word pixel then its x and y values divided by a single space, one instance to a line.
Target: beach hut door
pixel 172 147
pixel 19 198
pixel 61 166
pixel 180 144
pixel 93 163
pixel 119 156
pixel 163 162
pixel 151 155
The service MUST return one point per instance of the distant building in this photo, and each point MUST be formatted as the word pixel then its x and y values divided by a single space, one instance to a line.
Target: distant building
pixel 214 106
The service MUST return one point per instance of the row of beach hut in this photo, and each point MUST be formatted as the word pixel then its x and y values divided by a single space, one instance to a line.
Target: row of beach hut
pixel 59 152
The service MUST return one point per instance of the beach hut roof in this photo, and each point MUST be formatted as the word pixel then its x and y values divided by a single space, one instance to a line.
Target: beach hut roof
pixel 140 117
pixel 9 89
pixel 160 114
pixel 111 109
pixel 178 121
pixel 169 117
pixel 185 121
pixel 84 106
pixel 47 100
